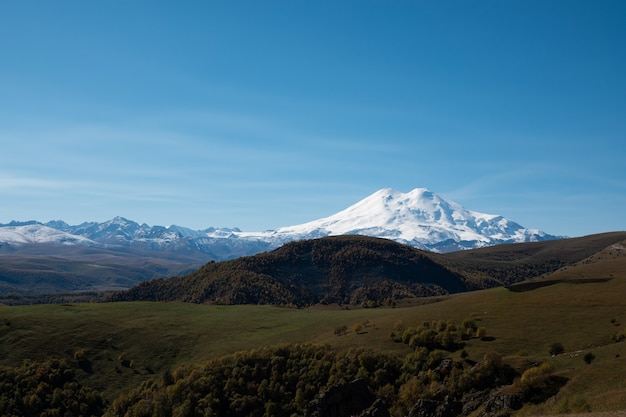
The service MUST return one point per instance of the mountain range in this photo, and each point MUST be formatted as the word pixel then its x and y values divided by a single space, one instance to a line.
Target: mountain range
pixel 420 218
pixel 38 257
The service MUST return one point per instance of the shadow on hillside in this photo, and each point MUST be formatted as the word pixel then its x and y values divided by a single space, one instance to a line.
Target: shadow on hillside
pixel 533 285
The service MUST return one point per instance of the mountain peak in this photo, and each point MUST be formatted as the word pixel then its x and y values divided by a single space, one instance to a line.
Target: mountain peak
pixel 419 218
pixel 119 220
pixel 416 196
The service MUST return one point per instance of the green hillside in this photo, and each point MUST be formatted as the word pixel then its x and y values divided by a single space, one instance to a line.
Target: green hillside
pixel 115 349
pixel 507 264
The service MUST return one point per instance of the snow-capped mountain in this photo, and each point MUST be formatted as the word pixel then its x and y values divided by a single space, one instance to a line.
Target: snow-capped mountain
pixel 419 218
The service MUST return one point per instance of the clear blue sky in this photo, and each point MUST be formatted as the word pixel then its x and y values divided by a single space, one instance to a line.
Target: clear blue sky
pixel 264 114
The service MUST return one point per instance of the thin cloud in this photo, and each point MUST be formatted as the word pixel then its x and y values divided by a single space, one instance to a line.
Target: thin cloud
pixel 9 182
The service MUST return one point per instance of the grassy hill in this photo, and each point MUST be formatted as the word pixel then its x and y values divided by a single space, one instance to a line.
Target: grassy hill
pixel 116 346
pixel 507 264
pixel 358 269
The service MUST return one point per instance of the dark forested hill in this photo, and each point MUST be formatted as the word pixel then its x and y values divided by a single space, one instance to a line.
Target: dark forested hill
pixel 364 270
pixel 339 269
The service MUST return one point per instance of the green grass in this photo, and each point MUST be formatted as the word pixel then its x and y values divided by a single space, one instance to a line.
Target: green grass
pixel 160 336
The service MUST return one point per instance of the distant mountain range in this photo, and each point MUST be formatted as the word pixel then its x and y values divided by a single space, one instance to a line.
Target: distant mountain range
pixel 420 218
pixel 41 258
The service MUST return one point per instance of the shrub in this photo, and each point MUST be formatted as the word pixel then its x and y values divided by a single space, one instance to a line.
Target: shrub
pixel 481 332
pixel 469 323
pixel 435 335
pixel 575 403
pixel 79 354
pixel 556 349
pixel 341 330
pixel 535 376
pixel 589 357
pixel 539 383
pixel 618 337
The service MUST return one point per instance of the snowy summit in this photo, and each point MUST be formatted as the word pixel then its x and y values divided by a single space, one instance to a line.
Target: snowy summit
pixel 418 218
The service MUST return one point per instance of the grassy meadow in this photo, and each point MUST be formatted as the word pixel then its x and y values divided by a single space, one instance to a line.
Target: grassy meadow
pixel 119 345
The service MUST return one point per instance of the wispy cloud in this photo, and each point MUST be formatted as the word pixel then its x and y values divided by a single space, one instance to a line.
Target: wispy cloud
pixel 12 182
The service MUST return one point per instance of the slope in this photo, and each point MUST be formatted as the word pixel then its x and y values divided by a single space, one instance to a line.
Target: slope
pixel 510 263
pixel 339 269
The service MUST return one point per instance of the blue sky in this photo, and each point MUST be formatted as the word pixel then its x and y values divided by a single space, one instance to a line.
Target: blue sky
pixel 265 114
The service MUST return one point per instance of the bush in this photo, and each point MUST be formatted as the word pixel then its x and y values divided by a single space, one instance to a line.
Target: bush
pixel 556 349
pixel 575 403
pixel 618 337
pixel 589 357
pixel 536 376
pixel 481 332
pixel 539 383
pixel 435 335
pixel 341 330
pixel 469 323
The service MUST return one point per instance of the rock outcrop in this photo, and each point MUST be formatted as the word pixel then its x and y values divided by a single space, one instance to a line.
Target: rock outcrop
pixel 493 404
pixel 430 408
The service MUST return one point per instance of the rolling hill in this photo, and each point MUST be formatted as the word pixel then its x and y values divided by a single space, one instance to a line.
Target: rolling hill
pixel 510 263
pixel 359 269
pixel 37 269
